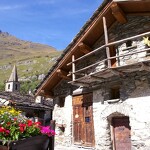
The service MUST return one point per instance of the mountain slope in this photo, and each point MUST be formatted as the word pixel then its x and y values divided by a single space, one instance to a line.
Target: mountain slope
pixel 33 60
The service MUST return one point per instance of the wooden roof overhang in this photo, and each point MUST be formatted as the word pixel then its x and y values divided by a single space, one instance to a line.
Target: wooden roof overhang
pixel 115 10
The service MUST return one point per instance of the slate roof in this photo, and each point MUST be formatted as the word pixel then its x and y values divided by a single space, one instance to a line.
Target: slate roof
pixel 14 75
pixel 23 101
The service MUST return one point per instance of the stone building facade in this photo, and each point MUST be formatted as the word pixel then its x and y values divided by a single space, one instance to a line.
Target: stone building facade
pixel 133 100
pixel 107 107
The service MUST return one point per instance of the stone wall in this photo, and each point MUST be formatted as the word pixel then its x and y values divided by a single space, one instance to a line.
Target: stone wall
pixel 63 117
pixel 136 106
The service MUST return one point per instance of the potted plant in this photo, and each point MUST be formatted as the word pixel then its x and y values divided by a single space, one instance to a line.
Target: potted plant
pixel 19 133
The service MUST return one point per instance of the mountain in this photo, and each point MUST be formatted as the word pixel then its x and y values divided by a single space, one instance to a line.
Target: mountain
pixel 33 60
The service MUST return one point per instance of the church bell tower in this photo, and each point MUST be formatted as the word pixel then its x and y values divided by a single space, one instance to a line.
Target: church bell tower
pixel 12 85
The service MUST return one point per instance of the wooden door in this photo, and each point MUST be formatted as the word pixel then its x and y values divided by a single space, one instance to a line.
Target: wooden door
pixel 122 138
pixel 77 123
pixel 83 120
pixel 88 127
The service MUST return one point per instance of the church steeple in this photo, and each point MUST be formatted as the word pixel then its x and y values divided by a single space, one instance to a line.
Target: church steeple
pixel 14 75
pixel 12 85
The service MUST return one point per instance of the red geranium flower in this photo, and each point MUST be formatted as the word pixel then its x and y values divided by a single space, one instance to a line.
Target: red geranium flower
pixel 22 127
pixel 15 119
pixel 2 129
pixel 29 123
pixel 8 123
pixel 37 123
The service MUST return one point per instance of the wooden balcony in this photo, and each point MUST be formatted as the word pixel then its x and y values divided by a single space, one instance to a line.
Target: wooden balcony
pixel 129 55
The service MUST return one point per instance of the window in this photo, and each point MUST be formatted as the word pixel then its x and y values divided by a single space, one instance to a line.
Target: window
pixel 61 101
pixel 129 43
pixel 16 87
pixel 8 86
pixel 62 130
pixel 115 93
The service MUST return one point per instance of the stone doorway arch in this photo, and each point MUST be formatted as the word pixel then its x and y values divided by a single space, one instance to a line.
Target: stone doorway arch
pixel 117 117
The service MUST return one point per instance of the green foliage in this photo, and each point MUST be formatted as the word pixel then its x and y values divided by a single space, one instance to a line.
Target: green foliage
pixel 26 86
pixel 2 87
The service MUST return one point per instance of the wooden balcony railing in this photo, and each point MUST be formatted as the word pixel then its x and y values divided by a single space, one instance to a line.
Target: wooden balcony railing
pixel 106 47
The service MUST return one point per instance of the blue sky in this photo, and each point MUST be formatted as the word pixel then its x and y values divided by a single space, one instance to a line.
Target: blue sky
pixel 51 22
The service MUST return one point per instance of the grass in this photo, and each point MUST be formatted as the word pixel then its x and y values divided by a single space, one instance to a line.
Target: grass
pixel 30 58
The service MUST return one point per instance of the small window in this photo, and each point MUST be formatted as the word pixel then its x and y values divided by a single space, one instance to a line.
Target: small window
pixel 62 130
pixel 115 93
pixel 8 86
pixel 61 102
pixel 16 87
pixel 129 43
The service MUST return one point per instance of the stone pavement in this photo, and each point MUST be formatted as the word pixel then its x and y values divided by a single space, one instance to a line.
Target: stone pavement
pixel 58 147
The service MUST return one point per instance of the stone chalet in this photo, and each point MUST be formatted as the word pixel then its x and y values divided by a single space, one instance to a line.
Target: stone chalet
pixel 101 83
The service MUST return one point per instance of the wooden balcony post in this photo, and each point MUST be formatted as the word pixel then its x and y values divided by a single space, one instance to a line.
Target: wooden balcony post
pixel 106 42
pixel 73 68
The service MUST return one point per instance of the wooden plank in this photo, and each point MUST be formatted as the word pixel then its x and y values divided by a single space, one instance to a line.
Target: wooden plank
pixel 122 133
pixel 77 100
pixel 106 41
pixel 118 13
pixel 83 120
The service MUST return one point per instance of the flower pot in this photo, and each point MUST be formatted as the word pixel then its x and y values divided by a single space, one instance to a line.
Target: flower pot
pixel 40 142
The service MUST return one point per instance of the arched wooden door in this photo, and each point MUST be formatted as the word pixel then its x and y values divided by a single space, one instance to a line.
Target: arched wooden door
pixel 83 120
pixel 121 131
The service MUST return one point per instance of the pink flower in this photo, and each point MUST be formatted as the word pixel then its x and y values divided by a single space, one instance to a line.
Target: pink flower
pixel 46 130
pixel 53 132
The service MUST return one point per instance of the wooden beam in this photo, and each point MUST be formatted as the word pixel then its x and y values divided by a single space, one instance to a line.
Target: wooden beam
pixel 79 83
pixel 96 77
pixel 106 41
pixel 63 74
pixel 144 67
pixel 115 72
pixel 118 13
pixel 73 68
pixel 46 93
pixel 84 48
